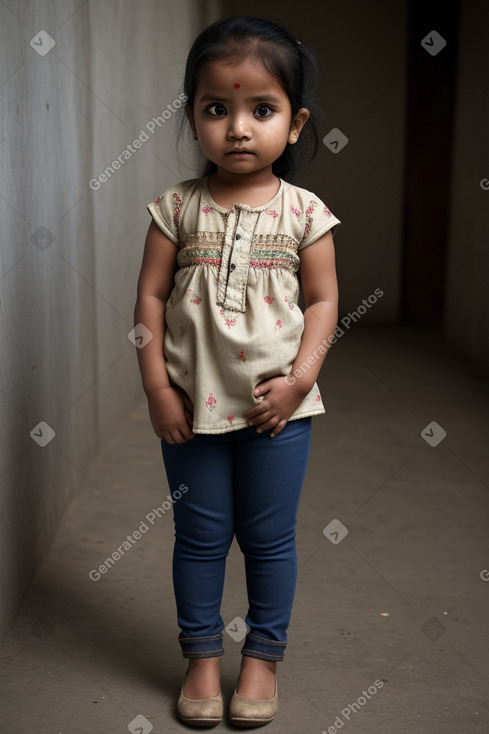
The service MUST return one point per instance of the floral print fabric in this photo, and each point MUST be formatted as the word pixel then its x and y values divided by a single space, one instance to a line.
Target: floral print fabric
pixel 232 318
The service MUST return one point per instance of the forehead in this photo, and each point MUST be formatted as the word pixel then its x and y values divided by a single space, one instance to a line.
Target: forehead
pixel 222 75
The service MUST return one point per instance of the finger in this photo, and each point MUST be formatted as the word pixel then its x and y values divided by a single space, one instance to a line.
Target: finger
pixel 269 424
pixel 180 437
pixel 185 431
pixel 257 410
pixel 179 434
pixel 260 418
pixel 278 429
pixel 262 388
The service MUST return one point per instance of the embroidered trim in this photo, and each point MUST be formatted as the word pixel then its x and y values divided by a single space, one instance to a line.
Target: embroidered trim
pixel 309 213
pixel 204 238
pixel 275 263
pixel 274 239
pixel 267 251
pixel 198 256
pixel 176 211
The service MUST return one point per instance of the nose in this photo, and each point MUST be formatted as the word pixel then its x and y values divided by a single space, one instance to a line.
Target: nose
pixel 238 127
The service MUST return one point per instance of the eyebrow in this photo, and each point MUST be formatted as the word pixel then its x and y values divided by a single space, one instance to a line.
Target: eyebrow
pixel 256 98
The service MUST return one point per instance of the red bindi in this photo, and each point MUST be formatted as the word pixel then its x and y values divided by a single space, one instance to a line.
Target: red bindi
pixel 237 85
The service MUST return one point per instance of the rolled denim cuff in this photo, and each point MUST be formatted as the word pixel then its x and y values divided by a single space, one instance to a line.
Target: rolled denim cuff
pixel 201 647
pixel 261 647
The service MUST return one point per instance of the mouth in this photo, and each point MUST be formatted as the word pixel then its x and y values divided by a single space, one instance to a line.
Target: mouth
pixel 240 152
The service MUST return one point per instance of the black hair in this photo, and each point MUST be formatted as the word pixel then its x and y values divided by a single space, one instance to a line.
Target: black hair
pixel 291 62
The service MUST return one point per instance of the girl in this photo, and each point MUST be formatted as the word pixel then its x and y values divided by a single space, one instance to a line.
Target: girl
pixel 231 367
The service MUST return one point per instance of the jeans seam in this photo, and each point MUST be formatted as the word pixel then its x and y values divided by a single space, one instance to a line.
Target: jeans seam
pixel 269 655
pixel 204 653
pixel 262 655
pixel 252 635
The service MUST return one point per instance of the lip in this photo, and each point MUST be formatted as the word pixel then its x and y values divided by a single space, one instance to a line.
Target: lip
pixel 240 151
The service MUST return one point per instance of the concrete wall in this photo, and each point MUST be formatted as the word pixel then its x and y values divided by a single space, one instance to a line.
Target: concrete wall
pixel 361 47
pixel 69 254
pixel 467 296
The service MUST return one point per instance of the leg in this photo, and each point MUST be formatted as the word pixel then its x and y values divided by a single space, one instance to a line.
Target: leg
pixel 199 474
pixel 268 478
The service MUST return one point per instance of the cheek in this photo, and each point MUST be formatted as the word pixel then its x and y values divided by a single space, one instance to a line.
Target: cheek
pixel 280 138
pixel 208 134
pixel 280 132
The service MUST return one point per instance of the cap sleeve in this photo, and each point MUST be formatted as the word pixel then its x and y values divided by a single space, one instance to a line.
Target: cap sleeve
pixel 165 211
pixel 318 220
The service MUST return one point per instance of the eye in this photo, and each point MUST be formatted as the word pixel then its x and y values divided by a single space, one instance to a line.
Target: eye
pixel 263 110
pixel 217 109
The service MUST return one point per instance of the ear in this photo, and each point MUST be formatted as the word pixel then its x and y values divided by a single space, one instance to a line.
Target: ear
pixel 298 122
pixel 190 114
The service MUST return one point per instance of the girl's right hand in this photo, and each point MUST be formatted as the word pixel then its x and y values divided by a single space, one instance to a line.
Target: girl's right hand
pixel 171 413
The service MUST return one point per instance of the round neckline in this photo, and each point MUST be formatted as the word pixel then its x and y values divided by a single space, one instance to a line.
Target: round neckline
pixel 237 205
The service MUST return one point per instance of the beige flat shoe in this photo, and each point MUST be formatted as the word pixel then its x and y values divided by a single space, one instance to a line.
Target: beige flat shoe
pixel 200 711
pixel 252 712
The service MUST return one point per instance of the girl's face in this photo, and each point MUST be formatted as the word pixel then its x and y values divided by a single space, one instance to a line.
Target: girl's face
pixel 242 117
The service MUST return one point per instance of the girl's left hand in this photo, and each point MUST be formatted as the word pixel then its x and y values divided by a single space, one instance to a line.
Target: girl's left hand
pixel 279 402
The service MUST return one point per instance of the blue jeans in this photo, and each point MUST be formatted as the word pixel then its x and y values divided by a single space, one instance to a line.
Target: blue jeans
pixel 246 484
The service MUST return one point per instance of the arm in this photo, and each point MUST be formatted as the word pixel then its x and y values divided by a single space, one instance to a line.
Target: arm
pixel 170 408
pixel 283 395
pixel 320 290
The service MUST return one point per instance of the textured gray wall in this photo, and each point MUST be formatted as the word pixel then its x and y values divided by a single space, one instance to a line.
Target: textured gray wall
pixel 66 305
pixel 467 296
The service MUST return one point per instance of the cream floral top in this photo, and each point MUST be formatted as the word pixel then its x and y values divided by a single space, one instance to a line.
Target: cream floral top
pixel 232 318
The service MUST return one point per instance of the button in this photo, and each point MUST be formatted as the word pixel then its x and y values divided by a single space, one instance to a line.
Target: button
pixel 232 266
pixel 238 236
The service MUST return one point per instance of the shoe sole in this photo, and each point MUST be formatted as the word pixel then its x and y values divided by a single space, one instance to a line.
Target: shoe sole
pixel 251 722
pixel 200 722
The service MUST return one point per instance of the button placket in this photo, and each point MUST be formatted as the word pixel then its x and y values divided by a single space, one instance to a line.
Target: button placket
pixel 227 247
pixel 235 264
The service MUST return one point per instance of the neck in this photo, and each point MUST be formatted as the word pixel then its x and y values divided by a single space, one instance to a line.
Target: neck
pixel 237 181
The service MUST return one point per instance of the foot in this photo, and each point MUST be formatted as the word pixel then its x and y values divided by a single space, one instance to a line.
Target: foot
pixel 256 679
pixel 202 679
